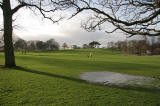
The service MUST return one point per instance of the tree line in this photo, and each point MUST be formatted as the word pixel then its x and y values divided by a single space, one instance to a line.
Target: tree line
pixel 25 46
pixel 93 44
pixel 146 46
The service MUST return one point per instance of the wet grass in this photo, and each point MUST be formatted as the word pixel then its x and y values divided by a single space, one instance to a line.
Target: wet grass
pixel 51 78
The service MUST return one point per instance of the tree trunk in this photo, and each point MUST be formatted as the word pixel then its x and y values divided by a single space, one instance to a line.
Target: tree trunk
pixel 8 43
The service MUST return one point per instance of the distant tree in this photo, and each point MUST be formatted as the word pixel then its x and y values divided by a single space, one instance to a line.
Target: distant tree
pixel 139 46
pixel 31 45
pixel 20 44
pixel 111 45
pixel 142 47
pixel 132 46
pixel 64 45
pixel 124 46
pixel 52 44
pixel 40 45
pixel 94 44
pixel 119 45
pixel 152 44
pixel 85 46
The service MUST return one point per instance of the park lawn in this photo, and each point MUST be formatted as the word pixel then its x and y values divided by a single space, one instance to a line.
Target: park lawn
pixel 52 78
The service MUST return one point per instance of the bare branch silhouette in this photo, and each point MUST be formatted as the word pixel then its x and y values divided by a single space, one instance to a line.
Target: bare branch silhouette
pixel 135 17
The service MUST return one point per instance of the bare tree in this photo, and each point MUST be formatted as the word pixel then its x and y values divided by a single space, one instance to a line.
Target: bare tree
pixel 119 45
pixel 64 45
pixel 20 44
pixel 134 17
pixel 111 45
pixel 31 45
pixel 85 46
pixel 44 7
pixel 52 44
pixel 152 44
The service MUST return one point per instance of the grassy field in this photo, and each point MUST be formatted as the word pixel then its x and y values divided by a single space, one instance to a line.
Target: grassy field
pixel 51 78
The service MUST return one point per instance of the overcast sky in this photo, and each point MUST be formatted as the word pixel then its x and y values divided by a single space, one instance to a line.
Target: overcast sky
pixel 32 27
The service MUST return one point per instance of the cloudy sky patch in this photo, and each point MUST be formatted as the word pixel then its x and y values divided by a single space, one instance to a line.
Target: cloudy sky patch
pixel 33 27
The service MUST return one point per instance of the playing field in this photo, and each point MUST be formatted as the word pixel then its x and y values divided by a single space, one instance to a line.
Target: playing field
pixel 52 78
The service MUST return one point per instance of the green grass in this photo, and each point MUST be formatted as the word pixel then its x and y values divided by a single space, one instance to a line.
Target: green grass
pixel 51 78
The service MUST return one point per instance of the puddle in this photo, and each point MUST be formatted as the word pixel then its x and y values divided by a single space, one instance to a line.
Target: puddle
pixel 113 78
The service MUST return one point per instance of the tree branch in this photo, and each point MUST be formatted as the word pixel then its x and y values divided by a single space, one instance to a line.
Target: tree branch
pixel 43 11
pixel 155 14
pixel 18 7
pixel 42 8
pixel 97 10
pixel 130 16
pixel 132 32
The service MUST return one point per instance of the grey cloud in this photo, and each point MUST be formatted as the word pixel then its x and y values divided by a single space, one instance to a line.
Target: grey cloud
pixel 68 31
